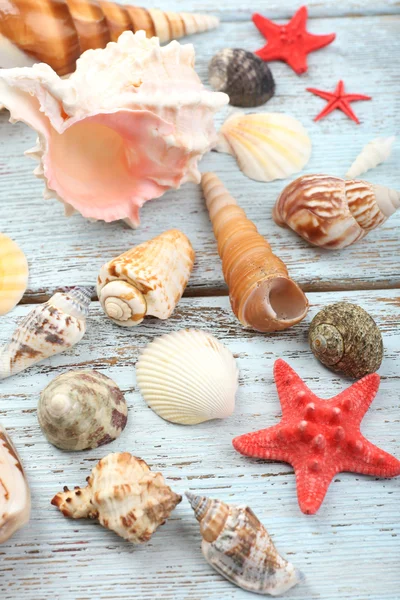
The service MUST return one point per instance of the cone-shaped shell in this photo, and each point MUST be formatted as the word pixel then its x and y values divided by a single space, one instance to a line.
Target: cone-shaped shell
pixel 239 547
pixel 14 274
pixel 149 279
pixel 47 330
pixel 124 495
pixel 262 295
pixel 346 339
pixel 56 32
pixel 372 155
pixel 15 498
pixel 82 409
pixel 188 377
pixel 333 213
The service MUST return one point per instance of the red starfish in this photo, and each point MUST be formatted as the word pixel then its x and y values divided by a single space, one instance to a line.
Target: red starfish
pixel 290 43
pixel 319 438
pixel 338 99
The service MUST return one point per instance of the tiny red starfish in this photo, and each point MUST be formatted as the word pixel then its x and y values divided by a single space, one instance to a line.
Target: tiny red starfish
pixel 319 438
pixel 338 99
pixel 291 42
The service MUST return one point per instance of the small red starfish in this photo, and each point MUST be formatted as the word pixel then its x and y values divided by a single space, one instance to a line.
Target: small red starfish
pixel 291 42
pixel 319 438
pixel 338 99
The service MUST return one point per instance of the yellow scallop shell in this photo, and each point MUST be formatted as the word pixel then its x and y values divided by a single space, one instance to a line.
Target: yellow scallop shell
pixel 14 274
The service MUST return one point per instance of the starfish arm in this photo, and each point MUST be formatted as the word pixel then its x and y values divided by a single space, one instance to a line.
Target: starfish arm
pixel 328 109
pixel 312 483
pixel 299 19
pixel 315 42
pixel 297 61
pixel 268 444
pixel 346 108
pixel 264 25
pixel 366 458
pixel 355 400
pixel 356 97
pixel 325 95
pixel 270 52
pixel 293 392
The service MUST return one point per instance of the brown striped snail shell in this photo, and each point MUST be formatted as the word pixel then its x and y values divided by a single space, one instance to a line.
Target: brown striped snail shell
pixel 346 339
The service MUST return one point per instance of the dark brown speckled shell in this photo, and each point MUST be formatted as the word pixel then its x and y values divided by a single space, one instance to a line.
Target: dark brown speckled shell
pixel 346 339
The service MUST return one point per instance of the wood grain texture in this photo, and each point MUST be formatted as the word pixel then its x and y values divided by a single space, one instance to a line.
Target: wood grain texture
pixel 350 549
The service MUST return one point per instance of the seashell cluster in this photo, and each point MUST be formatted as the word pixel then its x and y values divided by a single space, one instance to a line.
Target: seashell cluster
pixel 243 76
pixel 15 497
pixel 332 213
pixel 47 330
pixel 372 155
pixel 72 27
pixel 149 279
pixel 267 146
pixel 14 274
pixel 82 409
pixel 239 547
pixel 262 295
pixel 124 495
pixel 346 339
pixel 188 377
pixel 131 122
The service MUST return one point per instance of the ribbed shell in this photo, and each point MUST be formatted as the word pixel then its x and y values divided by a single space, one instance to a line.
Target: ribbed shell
pixel 243 76
pixel 372 155
pixel 74 26
pixel 48 329
pixel 151 279
pixel 239 547
pixel 346 339
pixel 82 409
pixel 14 274
pixel 188 377
pixel 333 213
pixel 124 495
pixel 262 295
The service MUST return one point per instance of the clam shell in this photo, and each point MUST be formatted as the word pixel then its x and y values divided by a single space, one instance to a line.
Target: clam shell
pixel 346 339
pixel 14 274
pixel 188 377
pixel 267 146
pixel 243 76
pixel 82 409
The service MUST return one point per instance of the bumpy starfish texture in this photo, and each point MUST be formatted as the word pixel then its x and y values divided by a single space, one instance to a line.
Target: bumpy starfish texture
pixel 319 438
pixel 291 42
pixel 338 99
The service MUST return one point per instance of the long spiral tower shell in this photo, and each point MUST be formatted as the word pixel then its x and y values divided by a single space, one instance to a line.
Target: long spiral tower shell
pixel 262 295
pixel 58 31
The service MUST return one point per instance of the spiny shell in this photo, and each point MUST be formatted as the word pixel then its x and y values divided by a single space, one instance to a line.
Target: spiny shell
pixel 188 377
pixel 49 329
pixel 14 274
pixel 239 547
pixel 267 146
pixel 372 155
pixel 124 495
pixel 333 213
pixel 82 409
pixel 243 76
pixel 149 279
pixel 15 498
pixel 346 339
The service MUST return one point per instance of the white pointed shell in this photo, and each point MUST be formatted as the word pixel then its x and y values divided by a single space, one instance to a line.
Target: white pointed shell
pixel 149 279
pixel 15 498
pixel 239 547
pixel 47 330
pixel 14 274
pixel 188 377
pixel 372 155
pixel 124 495
pixel 267 146
pixel 82 409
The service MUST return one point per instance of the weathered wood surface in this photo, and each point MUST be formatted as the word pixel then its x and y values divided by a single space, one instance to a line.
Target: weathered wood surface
pixel 70 251
pixel 350 549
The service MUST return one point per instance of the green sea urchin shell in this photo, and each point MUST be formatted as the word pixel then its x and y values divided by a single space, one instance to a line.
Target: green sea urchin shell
pixel 346 339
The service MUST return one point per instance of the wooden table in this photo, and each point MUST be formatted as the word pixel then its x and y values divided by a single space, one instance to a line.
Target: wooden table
pixel 351 548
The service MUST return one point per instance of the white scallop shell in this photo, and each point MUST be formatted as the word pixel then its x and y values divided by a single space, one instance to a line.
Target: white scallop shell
pixel 267 146
pixel 372 155
pixel 188 377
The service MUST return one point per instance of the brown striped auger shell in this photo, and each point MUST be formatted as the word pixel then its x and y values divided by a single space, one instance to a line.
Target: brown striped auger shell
pixel 262 295
pixel 58 31
pixel 333 213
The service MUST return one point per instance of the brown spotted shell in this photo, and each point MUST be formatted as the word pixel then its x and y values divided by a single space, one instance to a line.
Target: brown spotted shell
pixel 82 409
pixel 242 75
pixel 346 339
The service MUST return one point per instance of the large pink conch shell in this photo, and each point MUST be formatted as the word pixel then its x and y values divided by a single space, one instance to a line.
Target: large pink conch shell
pixel 130 123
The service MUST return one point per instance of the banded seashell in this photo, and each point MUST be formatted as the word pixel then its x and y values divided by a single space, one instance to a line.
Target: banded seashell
pixel 14 274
